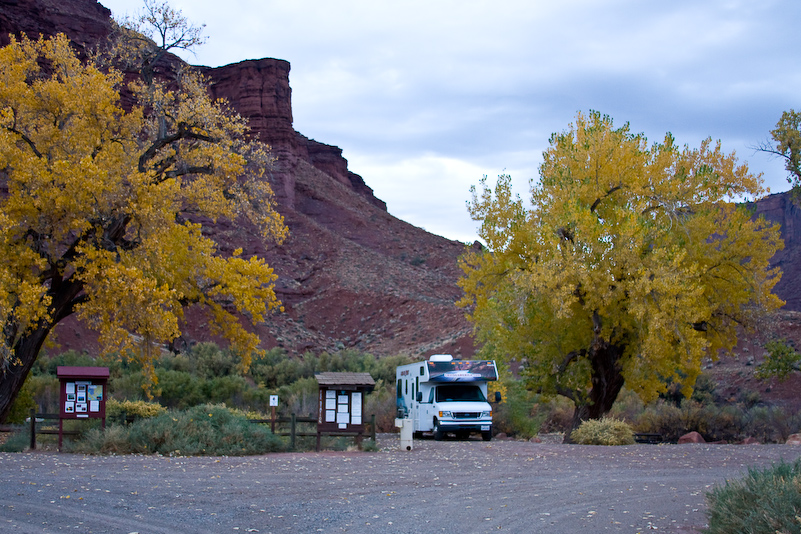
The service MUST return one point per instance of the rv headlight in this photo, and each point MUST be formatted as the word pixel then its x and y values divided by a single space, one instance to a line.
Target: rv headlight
pixel 445 414
pixel 486 414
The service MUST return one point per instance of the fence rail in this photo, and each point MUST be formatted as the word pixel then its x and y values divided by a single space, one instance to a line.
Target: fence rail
pixel 293 431
pixel 40 423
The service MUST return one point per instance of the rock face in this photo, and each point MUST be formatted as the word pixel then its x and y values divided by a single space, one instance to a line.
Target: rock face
pixel 782 209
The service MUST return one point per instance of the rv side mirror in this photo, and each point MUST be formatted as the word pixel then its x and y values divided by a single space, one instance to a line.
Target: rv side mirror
pixel 497 396
pixel 419 396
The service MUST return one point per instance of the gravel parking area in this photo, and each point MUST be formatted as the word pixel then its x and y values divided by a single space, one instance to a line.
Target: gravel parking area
pixel 448 486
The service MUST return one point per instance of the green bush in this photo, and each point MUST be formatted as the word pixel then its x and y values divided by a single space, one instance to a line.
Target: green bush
pixel 606 431
pixel 763 502
pixel 178 389
pixel 22 406
pixel 111 440
pixel 518 414
pixel 17 441
pixel 137 409
pixel 211 430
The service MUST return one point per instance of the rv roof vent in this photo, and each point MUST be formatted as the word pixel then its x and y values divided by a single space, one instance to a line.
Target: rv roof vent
pixel 440 358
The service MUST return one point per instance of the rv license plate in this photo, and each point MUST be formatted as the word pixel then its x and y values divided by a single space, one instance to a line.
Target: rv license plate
pixel 485 428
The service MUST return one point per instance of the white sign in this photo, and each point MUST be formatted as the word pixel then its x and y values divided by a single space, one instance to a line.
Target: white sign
pixel 273 400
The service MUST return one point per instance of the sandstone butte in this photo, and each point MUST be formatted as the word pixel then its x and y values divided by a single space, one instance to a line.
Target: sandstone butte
pixel 350 275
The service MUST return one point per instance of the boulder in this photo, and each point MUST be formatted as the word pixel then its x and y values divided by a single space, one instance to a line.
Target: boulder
pixel 692 437
pixel 794 439
pixel 535 439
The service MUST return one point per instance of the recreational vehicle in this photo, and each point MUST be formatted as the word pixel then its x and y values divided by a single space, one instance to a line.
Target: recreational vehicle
pixel 442 395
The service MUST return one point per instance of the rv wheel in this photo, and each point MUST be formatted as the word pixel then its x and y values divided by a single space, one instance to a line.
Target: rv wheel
pixel 438 433
pixel 486 436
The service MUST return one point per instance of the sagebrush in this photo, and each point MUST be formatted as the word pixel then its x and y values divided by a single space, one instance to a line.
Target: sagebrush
pixel 763 502
pixel 606 431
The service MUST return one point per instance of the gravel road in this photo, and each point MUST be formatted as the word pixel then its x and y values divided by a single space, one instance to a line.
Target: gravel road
pixel 449 486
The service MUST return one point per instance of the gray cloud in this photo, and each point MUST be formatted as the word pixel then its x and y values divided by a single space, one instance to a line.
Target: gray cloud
pixel 432 95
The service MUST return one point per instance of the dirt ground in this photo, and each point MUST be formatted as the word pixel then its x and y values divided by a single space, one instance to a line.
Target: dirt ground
pixel 449 486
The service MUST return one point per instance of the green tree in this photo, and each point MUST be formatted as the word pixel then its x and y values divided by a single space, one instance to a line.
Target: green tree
pixel 101 207
pixel 630 265
pixel 781 360
pixel 787 145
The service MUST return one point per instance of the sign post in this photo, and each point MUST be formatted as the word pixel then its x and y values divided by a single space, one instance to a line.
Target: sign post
pixel 273 405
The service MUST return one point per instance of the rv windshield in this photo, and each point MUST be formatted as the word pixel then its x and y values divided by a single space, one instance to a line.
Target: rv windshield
pixel 459 393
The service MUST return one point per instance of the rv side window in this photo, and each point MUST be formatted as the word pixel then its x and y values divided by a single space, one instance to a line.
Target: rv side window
pixel 431 396
pixel 400 389
pixel 422 370
pixel 407 386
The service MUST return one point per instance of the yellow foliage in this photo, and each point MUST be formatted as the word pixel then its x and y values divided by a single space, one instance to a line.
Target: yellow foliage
pixel 627 248
pixel 97 203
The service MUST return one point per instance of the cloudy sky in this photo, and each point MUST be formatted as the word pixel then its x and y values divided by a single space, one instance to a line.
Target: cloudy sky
pixel 426 97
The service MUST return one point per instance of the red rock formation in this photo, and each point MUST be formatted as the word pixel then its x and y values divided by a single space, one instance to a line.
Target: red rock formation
pixel 782 209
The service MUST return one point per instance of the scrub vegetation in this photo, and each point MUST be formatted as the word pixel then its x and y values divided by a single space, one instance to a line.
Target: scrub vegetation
pixel 763 502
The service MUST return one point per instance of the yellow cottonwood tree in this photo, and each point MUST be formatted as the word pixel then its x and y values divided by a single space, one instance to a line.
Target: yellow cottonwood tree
pixel 97 207
pixel 630 265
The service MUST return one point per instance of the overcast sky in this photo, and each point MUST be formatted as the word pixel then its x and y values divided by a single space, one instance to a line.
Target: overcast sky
pixel 426 97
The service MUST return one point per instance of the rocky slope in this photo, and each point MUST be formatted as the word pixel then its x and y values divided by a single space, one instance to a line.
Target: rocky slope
pixel 350 274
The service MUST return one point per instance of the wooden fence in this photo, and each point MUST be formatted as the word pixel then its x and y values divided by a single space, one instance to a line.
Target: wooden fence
pixel 43 423
pixel 293 431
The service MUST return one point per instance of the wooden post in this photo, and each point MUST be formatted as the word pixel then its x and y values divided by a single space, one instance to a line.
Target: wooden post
pixel 372 427
pixel 272 419
pixel 33 429
pixel 292 433
pixel 60 432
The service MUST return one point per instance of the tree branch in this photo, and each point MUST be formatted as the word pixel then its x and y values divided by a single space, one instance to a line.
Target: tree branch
pixel 184 132
pixel 598 200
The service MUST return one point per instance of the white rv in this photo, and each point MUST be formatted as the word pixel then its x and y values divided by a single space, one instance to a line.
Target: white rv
pixel 445 395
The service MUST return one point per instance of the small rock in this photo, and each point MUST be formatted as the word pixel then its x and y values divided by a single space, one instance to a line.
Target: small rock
pixel 535 439
pixel 501 435
pixel 794 439
pixel 750 441
pixel 692 437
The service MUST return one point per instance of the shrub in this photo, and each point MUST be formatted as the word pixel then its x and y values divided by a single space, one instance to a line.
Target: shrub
pixel 21 408
pixel 763 502
pixel 111 440
pixel 381 402
pixel 606 431
pixel 627 407
pixel 558 414
pixel 203 430
pixel 17 442
pixel 137 409
pixel 518 414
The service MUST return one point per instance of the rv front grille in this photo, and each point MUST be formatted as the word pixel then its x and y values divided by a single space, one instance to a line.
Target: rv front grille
pixel 466 415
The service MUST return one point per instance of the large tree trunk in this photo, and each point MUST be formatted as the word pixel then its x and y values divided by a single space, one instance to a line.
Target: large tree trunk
pixel 64 295
pixel 15 373
pixel 607 381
